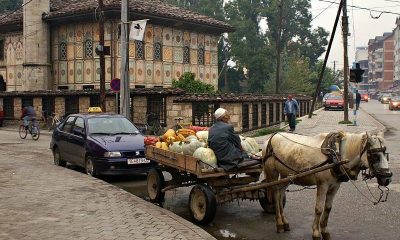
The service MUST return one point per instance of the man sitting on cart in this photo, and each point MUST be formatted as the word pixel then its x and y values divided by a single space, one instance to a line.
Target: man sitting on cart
pixel 225 143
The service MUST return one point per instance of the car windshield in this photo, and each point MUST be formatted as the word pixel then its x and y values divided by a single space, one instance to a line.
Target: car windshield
pixel 396 98
pixel 111 126
pixel 335 97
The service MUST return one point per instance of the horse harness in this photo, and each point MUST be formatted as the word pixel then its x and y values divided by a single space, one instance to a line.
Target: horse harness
pixel 373 157
pixel 330 147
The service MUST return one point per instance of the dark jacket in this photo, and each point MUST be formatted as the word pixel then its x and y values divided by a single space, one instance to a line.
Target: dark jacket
pixel 225 144
pixel 358 97
pixel 28 111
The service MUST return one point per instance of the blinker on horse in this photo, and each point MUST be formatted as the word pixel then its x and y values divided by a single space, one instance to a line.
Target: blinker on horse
pixel 288 154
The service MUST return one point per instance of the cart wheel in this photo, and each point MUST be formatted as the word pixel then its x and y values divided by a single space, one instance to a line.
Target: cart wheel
pixel 202 204
pixel 269 207
pixel 155 182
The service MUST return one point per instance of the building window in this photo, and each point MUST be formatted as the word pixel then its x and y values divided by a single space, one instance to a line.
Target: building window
pixel 88 87
pixel 71 105
pixel 156 110
pixel 200 56
pixel 186 55
pixel 48 106
pixel 202 114
pixel 157 51
pixel 1 49
pixel 245 116
pixel 27 101
pixel 263 115
pixel 139 49
pixel 63 51
pixel 8 108
pixel 95 101
pixel 88 48
pixel 270 113
pixel 278 112
pixel 255 116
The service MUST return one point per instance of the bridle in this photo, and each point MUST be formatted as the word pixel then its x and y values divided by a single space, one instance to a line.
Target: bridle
pixel 373 157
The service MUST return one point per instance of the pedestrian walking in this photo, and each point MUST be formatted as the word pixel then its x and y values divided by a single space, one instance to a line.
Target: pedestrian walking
pixel 358 99
pixel 291 109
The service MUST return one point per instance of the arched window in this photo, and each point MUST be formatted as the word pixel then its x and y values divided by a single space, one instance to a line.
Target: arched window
pixel 139 49
pixel 157 51
pixel 63 51
pixel 88 48
pixel 200 56
pixel 186 54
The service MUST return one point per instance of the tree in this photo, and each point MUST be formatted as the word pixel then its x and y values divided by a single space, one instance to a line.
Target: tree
pixel 188 83
pixel 10 5
pixel 248 46
pixel 297 35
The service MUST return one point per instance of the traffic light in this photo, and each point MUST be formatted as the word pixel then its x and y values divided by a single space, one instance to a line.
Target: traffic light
pixel 356 74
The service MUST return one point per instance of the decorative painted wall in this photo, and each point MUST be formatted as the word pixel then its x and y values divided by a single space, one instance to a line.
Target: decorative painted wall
pixel 165 54
pixel 11 67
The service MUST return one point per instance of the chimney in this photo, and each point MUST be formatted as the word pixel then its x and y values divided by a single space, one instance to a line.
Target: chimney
pixel 36 46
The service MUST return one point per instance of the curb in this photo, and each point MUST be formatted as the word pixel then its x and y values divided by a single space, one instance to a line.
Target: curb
pixel 379 125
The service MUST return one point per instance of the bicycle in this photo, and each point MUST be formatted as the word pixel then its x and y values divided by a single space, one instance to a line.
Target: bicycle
pixel 180 125
pixel 52 121
pixel 153 125
pixel 33 129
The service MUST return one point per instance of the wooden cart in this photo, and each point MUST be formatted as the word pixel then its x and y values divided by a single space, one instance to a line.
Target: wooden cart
pixel 212 186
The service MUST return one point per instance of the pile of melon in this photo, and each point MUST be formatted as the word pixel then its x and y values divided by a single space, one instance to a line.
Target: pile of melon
pixel 194 143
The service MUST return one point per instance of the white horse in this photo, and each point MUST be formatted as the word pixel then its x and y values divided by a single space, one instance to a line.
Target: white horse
pixel 288 154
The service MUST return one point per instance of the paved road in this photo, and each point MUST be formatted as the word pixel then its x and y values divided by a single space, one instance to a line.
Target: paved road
pixel 352 217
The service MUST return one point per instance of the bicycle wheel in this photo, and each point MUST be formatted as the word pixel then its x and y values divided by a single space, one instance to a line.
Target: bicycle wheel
pixel 35 133
pixel 22 131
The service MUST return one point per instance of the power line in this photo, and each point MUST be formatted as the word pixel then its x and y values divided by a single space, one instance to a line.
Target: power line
pixel 323 11
pixel 363 8
pixel 11 13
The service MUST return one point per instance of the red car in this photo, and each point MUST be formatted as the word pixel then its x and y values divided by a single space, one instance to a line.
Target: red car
pixel 1 118
pixel 394 103
pixel 364 96
pixel 334 102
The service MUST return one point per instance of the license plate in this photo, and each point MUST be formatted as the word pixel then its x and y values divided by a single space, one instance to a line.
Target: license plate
pixel 138 161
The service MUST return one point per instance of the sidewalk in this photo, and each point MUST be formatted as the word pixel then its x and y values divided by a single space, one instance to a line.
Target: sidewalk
pixel 42 201
pixel 328 121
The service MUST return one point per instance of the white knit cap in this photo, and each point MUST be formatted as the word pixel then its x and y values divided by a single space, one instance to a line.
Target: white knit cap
pixel 220 112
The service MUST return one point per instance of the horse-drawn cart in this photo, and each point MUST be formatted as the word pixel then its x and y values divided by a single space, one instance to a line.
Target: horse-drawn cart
pixel 212 186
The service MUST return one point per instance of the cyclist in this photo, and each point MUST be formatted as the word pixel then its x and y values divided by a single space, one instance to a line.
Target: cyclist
pixel 28 114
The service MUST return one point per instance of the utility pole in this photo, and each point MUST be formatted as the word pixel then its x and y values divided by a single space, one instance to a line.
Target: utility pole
pixel 226 68
pixel 328 51
pixel 102 59
pixel 125 88
pixel 345 29
pixel 278 47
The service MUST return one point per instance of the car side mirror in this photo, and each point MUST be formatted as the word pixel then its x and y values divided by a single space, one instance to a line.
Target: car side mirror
pixel 79 132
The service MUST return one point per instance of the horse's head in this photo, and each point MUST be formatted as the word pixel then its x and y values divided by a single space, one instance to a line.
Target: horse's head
pixel 375 158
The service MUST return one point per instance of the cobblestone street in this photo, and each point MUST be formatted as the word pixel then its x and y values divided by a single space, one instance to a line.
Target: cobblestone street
pixel 42 201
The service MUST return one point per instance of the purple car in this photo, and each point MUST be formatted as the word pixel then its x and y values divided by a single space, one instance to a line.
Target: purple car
pixel 104 144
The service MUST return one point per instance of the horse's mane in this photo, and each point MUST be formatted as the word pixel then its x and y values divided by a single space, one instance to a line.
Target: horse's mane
pixel 353 144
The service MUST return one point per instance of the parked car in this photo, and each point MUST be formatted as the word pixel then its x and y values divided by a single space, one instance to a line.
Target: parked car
pixel 385 98
pixel 394 103
pixel 334 101
pixel 104 144
pixel 1 118
pixel 364 95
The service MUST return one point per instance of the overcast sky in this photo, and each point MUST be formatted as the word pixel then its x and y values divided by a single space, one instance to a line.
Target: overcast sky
pixel 365 27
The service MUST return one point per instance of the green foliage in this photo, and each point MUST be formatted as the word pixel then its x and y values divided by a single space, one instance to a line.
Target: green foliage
pixel 188 83
pixel 10 5
pixel 345 122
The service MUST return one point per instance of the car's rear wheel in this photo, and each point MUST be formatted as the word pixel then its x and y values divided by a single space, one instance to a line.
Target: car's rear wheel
pixel 90 167
pixel 57 158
